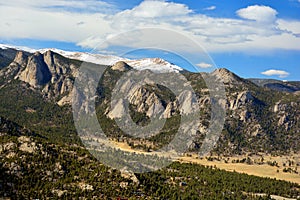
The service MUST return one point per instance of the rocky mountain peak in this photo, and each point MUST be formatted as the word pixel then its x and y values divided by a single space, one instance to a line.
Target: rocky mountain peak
pixel 36 72
pixel 48 57
pixel 21 58
pixel 121 66
pixel 37 54
pixel 154 64
pixel 159 61
pixel 49 71
pixel 226 75
pixel 52 62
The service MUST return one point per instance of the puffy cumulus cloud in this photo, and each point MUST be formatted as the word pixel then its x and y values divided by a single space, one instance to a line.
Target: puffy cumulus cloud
pixel 258 13
pixel 149 13
pixel 157 9
pixel 204 65
pixel 274 72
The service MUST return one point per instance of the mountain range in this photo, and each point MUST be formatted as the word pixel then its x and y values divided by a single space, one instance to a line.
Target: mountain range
pixel 42 155
pixel 262 115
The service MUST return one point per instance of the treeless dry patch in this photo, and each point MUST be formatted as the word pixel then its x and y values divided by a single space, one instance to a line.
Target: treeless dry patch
pixel 263 170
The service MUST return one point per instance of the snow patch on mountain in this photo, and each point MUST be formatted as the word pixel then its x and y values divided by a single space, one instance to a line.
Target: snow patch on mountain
pixel 87 57
pixel 20 48
pixel 153 64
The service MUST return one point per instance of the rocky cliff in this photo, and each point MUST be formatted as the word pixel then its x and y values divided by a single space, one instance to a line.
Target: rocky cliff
pixel 50 73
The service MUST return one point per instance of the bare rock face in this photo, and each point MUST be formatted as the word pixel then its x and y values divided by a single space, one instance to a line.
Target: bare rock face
pixel 121 66
pixel 244 115
pixel 287 114
pixel 283 119
pixel 21 58
pixel 226 76
pixel 60 73
pixel 276 107
pixel 50 72
pixel 241 100
pixel 56 66
pixel 65 100
pixel 170 109
pixel 155 109
pixel 26 144
pixel 245 97
pixel 187 102
pixel 13 69
pixel 49 60
pixel 36 72
pixel 129 175
pixel 280 107
pixel 127 86
pixel 146 101
pixel 118 110
pixel 138 96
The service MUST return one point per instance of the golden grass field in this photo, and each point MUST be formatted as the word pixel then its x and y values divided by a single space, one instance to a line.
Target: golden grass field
pixel 263 170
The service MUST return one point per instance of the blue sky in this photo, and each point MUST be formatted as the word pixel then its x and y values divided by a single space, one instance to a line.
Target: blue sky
pixel 251 38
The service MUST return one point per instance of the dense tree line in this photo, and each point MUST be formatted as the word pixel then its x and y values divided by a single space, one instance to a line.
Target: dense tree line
pixel 56 167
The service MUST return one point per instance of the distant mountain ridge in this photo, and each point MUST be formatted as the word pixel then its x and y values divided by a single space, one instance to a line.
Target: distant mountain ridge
pixel 283 86
pixel 154 64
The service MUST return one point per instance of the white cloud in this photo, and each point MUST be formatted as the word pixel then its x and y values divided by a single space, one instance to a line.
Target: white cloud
pixel 63 21
pixel 289 26
pixel 23 22
pixel 210 32
pixel 258 13
pixel 274 72
pixel 87 6
pixel 212 7
pixel 156 9
pixel 204 65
